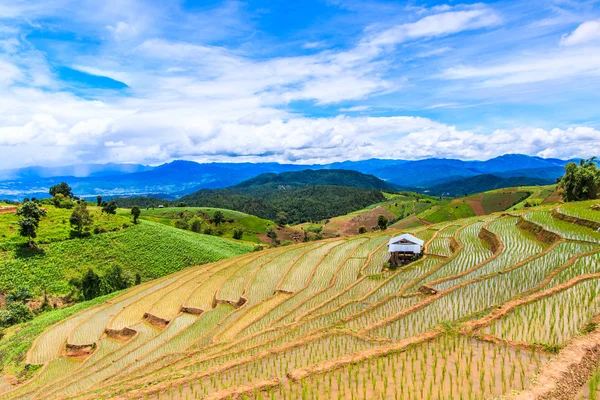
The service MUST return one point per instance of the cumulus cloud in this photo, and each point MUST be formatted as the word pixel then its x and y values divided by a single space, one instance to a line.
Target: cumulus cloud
pixel 587 32
pixel 197 100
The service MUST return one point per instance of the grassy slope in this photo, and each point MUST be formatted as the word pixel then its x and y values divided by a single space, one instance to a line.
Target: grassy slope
pixel 252 225
pixel 55 226
pixel 450 210
pixel 151 249
pixel 539 195
pixel 401 206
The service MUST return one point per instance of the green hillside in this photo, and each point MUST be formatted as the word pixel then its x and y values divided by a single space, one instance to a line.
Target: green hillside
pixel 150 249
pixel 55 226
pixel 251 225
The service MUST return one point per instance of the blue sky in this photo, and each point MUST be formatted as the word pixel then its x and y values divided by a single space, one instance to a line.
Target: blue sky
pixel 312 81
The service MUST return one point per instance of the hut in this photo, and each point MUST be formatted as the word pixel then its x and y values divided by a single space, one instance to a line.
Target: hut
pixel 404 248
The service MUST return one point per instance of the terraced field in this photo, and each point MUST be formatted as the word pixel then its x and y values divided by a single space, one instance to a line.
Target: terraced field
pixel 499 305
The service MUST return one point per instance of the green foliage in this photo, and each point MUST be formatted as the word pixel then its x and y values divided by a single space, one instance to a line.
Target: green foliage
pixel 16 312
pixel 362 230
pixel 218 218
pixel 99 201
pixel 27 228
pixel 382 222
pixel 109 207
pixel 22 294
pixel 90 285
pixel 181 223
pixel 282 218
pixel 62 189
pixel 581 182
pixel 196 225
pixel 81 219
pixel 31 210
pixel 60 201
pixel 238 233
pixel 135 211
pixel 150 249
pixel 450 211
pixel 272 234
pixel 54 227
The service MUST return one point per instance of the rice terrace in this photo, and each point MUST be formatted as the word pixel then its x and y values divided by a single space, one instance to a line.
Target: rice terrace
pixel 499 305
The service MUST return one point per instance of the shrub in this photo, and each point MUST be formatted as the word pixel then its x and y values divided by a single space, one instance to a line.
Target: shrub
pixel 15 313
pixel 362 230
pixel 181 223
pixel 196 225
pixel 238 233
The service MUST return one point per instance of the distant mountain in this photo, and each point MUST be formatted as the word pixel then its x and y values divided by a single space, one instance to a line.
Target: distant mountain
pixel 179 178
pixel 309 177
pixel 483 183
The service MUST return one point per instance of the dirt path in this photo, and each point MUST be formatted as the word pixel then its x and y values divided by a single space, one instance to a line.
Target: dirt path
pixel 8 210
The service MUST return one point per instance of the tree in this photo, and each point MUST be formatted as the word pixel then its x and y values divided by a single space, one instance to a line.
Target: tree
pixel 362 230
pixel 61 188
pixel 218 218
pixel 272 234
pixel 196 225
pixel 181 223
pixel 81 218
pixel 90 285
pixel 31 210
pixel 135 211
pixel 382 222
pixel 109 207
pixel 581 182
pixel 30 215
pixel 22 294
pixel 238 233
pixel 15 313
pixel 99 200
pixel 282 218
pixel 113 281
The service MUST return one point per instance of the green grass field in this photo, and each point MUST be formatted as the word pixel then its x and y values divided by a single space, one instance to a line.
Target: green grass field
pixel 55 227
pixel 149 248
pixel 250 224
pixel 500 200
pixel 450 210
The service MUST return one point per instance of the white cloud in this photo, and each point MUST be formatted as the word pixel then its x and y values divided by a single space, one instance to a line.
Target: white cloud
pixel 123 77
pixel 9 73
pixel 442 24
pixel 356 109
pixel 536 68
pixel 587 32
pixel 123 31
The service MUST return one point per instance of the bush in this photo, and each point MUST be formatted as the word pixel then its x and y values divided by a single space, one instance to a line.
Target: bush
pixel 238 233
pixel 208 231
pixel 15 313
pixel 362 230
pixel 196 225
pixel 181 223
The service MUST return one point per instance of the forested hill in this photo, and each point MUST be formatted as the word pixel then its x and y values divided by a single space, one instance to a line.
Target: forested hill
pixel 302 204
pixel 301 196
pixel 309 177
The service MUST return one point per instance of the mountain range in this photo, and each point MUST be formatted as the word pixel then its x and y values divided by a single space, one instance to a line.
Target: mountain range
pixel 178 178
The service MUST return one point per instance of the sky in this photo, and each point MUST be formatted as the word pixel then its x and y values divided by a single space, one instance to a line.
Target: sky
pixel 137 81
